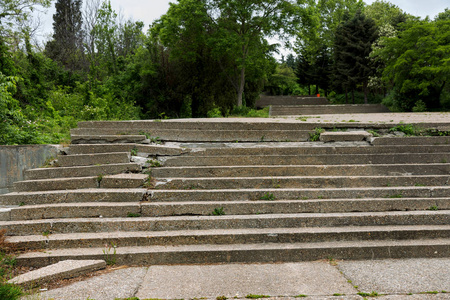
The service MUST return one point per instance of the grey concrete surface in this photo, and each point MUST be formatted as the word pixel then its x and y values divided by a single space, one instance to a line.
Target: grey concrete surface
pixel 122 283
pixel 291 279
pixel 62 270
pixel 14 160
pixel 399 276
pixel 405 279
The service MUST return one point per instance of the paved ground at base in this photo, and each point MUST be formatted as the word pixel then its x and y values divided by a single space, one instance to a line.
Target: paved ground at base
pixel 318 280
pixel 425 117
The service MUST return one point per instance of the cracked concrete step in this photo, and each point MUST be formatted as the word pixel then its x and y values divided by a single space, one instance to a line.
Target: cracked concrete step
pixel 290 100
pixel 328 149
pixel 292 110
pixel 126 181
pixel 329 159
pixel 292 194
pixel 74 196
pixel 140 148
pixel 160 209
pixel 56 226
pixel 247 253
pixel 228 236
pixel 187 135
pixel 105 139
pixel 300 182
pixel 81 171
pixel 93 159
pixel 299 170
pixel 61 270
pixel 414 140
pixel 148 126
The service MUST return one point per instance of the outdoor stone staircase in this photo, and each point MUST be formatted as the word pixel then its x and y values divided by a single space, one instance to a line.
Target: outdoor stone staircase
pixel 224 191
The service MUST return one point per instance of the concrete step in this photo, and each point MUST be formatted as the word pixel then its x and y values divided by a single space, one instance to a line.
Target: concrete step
pixel 350 136
pixel 104 139
pixel 187 135
pixel 246 253
pixel 265 101
pixel 82 171
pixel 413 140
pixel 93 159
pixel 301 170
pixel 292 194
pixel 300 182
pixel 148 126
pixel 126 181
pixel 161 209
pixel 330 159
pixel 292 110
pixel 311 149
pixel 74 196
pixel 138 148
pixel 61 270
pixel 70 225
pixel 228 236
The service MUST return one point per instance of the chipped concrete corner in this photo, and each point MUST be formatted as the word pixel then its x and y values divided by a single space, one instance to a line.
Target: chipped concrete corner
pixel 14 160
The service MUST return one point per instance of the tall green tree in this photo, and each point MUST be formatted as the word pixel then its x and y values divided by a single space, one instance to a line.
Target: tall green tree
pixel 418 63
pixel 353 44
pixel 67 44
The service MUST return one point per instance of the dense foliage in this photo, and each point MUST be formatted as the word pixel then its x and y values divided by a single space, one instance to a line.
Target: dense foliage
pixel 211 58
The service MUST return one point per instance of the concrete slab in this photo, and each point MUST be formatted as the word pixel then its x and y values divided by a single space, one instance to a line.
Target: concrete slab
pixel 352 136
pixel 120 284
pixel 399 276
pixel 62 270
pixel 239 280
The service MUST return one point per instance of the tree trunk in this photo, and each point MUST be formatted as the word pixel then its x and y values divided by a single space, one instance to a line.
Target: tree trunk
pixel 241 87
pixel 346 96
pixel 366 90
pixel 353 96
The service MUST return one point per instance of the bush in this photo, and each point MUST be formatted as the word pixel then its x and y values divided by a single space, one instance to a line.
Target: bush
pixel 10 291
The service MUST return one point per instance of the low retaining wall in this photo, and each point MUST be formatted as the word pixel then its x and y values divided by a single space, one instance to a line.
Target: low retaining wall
pixel 14 160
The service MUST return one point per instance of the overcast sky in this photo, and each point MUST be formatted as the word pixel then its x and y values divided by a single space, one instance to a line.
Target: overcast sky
pixel 148 11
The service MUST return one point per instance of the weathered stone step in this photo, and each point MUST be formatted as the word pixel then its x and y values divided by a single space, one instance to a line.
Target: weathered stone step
pixel 290 100
pixel 300 170
pixel 34 227
pixel 160 209
pixel 292 194
pixel 104 139
pixel 300 182
pixel 82 171
pixel 247 253
pixel 138 148
pixel 61 270
pixel 329 159
pixel 414 140
pixel 187 135
pixel 126 181
pixel 314 149
pixel 148 126
pixel 292 110
pixel 228 236
pixel 74 196
pixel 93 159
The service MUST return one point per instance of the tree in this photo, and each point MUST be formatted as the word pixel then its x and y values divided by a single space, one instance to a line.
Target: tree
pixel 418 63
pixel 353 44
pixel 240 25
pixel 67 44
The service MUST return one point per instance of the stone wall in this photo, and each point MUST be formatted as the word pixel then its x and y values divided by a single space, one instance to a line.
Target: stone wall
pixel 14 160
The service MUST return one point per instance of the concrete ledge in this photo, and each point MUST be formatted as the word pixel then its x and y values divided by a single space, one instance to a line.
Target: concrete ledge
pixel 353 136
pixel 62 270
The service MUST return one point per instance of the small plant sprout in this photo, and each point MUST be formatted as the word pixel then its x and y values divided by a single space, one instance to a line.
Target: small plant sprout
pixel 218 211
pixel 253 296
pixel 134 151
pixel 434 207
pixel 110 257
pixel 133 215
pixel 154 163
pixel 268 197
pixel 314 137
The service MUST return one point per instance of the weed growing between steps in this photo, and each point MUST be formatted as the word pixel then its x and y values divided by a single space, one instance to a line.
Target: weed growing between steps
pixel 110 254
pixel 7 270
pixel 314 137
pixel 411 130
